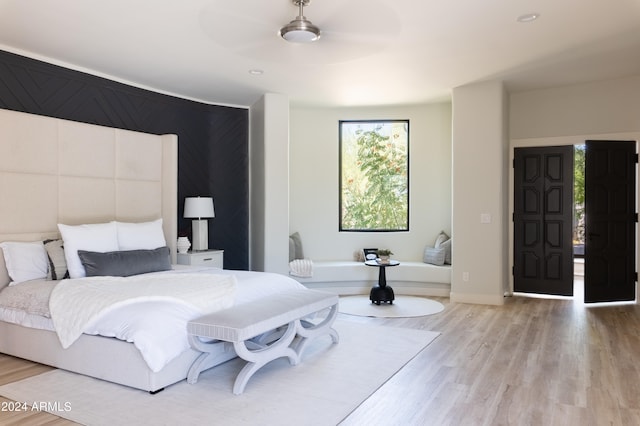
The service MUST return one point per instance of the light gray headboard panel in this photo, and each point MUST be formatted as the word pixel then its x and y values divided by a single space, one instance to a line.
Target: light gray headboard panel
pixel 58 171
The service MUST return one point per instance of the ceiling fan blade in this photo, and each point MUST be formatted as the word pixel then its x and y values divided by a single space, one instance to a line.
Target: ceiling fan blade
pixel 343 36
pixel 378 21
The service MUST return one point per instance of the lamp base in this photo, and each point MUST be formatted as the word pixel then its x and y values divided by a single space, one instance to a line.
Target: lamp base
pixel 200 232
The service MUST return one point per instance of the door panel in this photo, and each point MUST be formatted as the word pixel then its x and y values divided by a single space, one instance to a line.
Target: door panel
pixel 610 212
pixel 543 220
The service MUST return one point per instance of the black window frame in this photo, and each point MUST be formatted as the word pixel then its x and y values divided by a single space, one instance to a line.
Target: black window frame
pixel 341 227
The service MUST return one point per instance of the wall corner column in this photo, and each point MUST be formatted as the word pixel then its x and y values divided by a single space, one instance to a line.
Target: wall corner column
pixel 480 199
pixel 269 184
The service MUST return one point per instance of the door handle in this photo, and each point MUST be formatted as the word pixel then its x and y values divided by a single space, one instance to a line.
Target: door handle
pixel 592 234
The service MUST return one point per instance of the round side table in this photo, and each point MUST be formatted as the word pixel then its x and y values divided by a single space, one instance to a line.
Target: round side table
pixel 381 292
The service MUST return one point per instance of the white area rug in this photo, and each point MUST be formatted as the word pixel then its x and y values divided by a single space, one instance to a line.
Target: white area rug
pixel 402 306
pixel 329 383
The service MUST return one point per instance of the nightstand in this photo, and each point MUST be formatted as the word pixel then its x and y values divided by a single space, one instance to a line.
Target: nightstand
pixel 213 258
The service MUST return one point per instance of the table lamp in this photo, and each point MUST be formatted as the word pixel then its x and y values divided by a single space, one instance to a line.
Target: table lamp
pixel 199 209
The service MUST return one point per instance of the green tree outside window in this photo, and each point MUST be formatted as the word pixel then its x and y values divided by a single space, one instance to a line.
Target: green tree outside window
pixel 374 175
pixel 578 194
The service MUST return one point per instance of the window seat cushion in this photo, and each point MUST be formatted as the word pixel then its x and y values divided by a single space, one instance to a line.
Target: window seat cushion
pixel 345 271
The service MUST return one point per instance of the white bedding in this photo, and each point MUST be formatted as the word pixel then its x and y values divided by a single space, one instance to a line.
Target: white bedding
pixel 157 326
pixel 25 319
pixel 149 310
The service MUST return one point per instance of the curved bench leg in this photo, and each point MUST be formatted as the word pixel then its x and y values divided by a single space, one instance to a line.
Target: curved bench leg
pixel 257 358
pixel 214 352
pixel 308 331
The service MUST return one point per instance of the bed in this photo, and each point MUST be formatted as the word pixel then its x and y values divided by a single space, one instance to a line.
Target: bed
pixel 55 171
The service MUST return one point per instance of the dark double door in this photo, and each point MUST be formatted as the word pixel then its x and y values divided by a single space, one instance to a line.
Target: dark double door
pixel 543 220
pixel 610 211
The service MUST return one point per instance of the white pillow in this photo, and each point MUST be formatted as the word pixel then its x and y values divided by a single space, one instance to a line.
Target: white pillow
pixel 100 237
pixel 140 236
pixel 25 261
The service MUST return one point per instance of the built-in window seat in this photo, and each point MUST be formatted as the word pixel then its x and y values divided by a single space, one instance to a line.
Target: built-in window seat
pixel 408 278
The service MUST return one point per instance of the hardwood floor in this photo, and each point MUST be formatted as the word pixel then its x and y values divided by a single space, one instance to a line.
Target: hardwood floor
pixel 529 362
pixel 15 369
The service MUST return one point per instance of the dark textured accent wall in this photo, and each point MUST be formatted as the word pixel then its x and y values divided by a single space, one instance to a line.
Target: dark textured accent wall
pixel 212 140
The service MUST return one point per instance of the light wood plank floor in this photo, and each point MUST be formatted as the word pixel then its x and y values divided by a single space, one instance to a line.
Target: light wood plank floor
pixel 529 362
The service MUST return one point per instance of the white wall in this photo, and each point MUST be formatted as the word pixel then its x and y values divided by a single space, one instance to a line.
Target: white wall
pixel 479 188
pixel 611 106
pixel 269 170
pixel 314 178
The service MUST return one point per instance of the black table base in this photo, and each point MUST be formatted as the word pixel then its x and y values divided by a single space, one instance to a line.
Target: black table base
pixel 382 293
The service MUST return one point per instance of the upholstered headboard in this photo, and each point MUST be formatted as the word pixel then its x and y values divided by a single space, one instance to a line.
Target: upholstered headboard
pixel 57 171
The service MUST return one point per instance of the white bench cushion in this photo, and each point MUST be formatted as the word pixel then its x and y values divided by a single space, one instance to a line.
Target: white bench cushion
pixel 242 322
pixel 343 271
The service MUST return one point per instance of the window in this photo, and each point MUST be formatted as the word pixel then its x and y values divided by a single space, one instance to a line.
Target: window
pixel 374 175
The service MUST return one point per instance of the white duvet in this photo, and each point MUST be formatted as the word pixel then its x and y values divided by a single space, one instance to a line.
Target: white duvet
pixel 145 310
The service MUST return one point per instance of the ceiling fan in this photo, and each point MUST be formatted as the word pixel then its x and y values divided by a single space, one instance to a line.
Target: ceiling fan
pixel 258 34
pixel 300 30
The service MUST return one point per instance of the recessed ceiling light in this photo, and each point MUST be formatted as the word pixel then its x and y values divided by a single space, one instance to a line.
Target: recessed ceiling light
pixel 256 72
pixel 528 17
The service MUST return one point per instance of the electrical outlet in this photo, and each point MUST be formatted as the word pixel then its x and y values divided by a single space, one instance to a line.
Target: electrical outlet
pixel 465 276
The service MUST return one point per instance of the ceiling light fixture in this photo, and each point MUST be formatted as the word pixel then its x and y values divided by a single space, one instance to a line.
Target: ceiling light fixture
pixel 300 30
pixel 528 17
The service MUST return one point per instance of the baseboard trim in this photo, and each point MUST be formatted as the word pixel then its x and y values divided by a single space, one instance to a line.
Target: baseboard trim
pixel 480 299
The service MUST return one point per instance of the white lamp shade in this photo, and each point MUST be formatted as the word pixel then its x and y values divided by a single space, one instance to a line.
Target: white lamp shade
pixel 198 207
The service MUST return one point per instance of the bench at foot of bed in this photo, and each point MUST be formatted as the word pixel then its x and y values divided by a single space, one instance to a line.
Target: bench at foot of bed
pixel 262 331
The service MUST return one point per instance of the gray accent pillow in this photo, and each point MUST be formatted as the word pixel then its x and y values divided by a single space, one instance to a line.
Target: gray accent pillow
pixel 57 262
pixel 295 243
pixel 4 275
pixel 434 255
pixel 125 263
pixel 447 251
pixel 292 249
pixel 441 238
